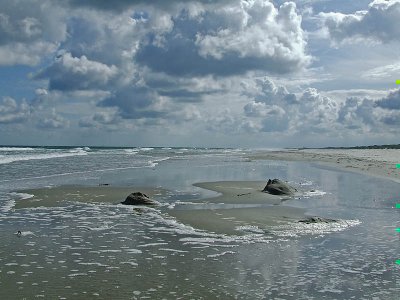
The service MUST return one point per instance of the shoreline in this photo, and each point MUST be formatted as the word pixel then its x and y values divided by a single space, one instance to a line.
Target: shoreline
pixel 379 163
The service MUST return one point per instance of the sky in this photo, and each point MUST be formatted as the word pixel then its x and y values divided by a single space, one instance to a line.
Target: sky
pixel 224 73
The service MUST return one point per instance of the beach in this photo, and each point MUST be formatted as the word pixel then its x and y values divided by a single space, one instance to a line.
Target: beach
pixel 214 234
pixel 376 162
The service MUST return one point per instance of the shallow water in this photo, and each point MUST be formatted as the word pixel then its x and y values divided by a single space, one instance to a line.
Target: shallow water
pixel 92 251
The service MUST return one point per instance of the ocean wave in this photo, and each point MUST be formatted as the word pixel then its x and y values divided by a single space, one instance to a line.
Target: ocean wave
pixel 13 158
pixel 154 163
pixel 79 150
pixel 150 165
pixel 8 149
pixel 131 151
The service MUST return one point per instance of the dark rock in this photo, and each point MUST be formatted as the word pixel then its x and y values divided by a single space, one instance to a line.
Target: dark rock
pixel 139 198
pixel 313 220
pixel 278 187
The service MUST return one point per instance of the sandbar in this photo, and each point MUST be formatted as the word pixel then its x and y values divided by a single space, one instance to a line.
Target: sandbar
pixel 55 196
pixel 240 206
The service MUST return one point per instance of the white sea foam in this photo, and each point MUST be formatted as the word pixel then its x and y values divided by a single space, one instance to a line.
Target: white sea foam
pixel 173 250
pixel 249 228
pixel 314 193
pixel 221 254
pixel 8 149
pixel 131 151
pixel 13 158
pixel 299 229
pixel 307 182
pixel 7 206
pixel 151 165
pixel 26 233
pixel 152 244
pixel 21 196
pixel 129 263
pixel 154 163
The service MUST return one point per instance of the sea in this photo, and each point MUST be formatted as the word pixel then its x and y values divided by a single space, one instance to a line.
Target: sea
pixel 108 251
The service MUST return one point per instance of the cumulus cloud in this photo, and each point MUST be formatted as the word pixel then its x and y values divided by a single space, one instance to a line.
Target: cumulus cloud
pixel 268 111
pixel 180 65
pixel 391 119
pixel 137 102
pixel 231 39
pixel 318 112
pixel 29 30
pixel 273 118
pixel 392 101
pixel 312 112
pixel 53 121
pixel 100 119
pixel 20 54
pixel 257 30
pixel 379 22
pixel 270 93
pixel 77 73
pixel 13 112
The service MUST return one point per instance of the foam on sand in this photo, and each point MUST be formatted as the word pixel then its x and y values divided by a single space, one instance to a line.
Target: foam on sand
pixel 242 209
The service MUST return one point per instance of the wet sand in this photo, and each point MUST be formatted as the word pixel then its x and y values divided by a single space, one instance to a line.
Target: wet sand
pixel 241 207
pixel 241 192
pixel 55 196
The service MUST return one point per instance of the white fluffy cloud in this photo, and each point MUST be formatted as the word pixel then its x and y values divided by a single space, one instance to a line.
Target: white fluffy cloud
pixel 234 38
pixel 256 29
pixel 311 111
pixel 13 112
pixel 180 66
pixel 380 22
pixel 77 73
pixel 29 30
pixel 53 121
